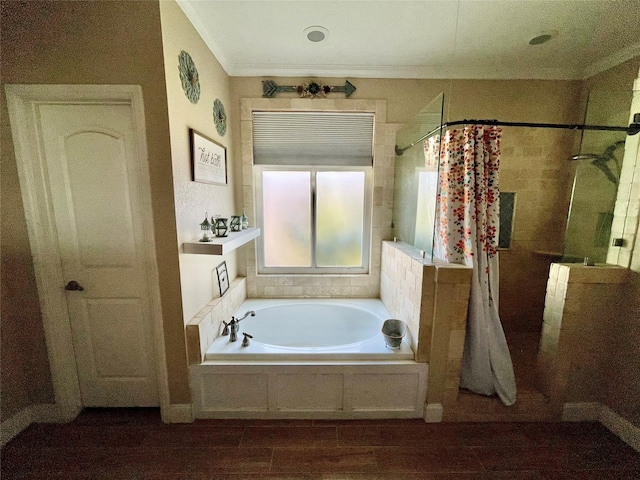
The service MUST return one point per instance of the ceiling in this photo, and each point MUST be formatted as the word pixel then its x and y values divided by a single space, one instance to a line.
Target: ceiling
pixel 419 38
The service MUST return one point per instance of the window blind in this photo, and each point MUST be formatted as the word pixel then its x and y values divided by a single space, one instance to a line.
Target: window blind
pixel 313 138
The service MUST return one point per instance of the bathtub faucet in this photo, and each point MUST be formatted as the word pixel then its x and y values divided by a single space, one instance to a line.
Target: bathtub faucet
pixel 234 325
pixel 250 312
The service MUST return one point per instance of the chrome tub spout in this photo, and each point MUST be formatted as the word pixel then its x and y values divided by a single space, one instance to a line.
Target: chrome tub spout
pixel 234 325
pixel 250 312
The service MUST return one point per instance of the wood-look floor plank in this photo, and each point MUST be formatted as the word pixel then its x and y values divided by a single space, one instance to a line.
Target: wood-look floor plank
pixel 323 460
pixel 289 437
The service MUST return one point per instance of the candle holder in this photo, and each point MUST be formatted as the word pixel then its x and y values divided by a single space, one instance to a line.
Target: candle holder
pixel 220 226
pixel 244 221
pixel 205 228
pixel 235 224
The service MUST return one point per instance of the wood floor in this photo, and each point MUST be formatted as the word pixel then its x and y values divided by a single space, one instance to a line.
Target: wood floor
pixel 134 444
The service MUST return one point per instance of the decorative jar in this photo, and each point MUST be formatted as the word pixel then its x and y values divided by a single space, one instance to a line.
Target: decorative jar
pixel 220 227
pixel 235 223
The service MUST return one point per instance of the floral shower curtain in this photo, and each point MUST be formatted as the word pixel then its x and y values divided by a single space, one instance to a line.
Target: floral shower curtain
pixel 466 232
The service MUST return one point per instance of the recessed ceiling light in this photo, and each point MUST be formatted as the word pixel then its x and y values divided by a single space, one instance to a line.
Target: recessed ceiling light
pixel 316 33
pixel 543 37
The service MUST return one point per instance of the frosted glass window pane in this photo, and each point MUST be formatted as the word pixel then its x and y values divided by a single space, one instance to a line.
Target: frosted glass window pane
pixel 286 200
pixel 340 219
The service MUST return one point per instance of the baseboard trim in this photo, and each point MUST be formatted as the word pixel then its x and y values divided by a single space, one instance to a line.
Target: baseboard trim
pixel 14 425
pixel 178 413
pixel 39 413
pixel 433 413
pixel 581 412
pixel 54 413
pixel 624 429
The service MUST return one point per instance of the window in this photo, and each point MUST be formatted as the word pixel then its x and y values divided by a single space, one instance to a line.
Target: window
pixel 313 177
pixel 313 219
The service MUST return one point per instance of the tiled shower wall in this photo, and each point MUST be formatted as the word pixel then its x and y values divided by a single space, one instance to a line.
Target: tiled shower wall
pixel 534 165
pixel 627 209
pixel 363 286
pixel 574 347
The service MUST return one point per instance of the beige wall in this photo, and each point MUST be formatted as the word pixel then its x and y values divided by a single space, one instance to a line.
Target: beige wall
pixel 533 163
pixel 82 43
pixel 193 199
pixel 25 378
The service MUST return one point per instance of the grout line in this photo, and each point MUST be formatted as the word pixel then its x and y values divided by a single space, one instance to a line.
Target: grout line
pixel 244 431
pixel 484 469
pixel 271 461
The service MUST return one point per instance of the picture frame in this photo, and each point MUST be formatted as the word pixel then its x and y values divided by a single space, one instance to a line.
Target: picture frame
pixel 208 159
pixel 223 278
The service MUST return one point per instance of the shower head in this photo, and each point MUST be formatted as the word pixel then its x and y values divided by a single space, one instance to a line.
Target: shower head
pixel 604 156
pixel 612 148
pixel 601 163
pixel 601 160
pixel 586 156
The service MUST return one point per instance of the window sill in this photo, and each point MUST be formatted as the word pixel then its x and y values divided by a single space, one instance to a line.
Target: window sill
pixel 221 245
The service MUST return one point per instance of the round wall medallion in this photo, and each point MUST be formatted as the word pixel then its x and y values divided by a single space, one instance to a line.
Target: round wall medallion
pixel 219 117
pixel 189 77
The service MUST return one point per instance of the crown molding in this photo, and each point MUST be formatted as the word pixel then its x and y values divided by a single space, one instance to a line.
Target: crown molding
pixel 611 61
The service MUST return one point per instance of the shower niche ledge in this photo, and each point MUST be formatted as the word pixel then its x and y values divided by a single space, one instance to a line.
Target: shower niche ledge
pixel 221 245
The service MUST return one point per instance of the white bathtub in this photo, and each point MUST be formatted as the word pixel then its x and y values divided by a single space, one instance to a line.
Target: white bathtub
pixel 310 330
pixel 309 358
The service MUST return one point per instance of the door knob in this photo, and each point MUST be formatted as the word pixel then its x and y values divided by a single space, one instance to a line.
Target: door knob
pixel 73 285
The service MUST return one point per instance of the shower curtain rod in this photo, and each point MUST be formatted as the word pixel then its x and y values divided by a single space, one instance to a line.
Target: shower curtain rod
pixel 632 129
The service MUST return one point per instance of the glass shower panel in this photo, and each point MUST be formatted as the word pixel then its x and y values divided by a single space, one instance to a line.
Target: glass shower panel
pixel 597 172
pixel 415 184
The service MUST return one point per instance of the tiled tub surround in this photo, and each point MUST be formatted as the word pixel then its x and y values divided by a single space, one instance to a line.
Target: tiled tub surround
pixel 328 286
pixel 432 299
pixel 580 309
pixel 342 382
pixel 206 326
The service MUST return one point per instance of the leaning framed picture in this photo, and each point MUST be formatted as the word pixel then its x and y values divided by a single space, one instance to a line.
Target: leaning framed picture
pixel 223 278
pixel 208 159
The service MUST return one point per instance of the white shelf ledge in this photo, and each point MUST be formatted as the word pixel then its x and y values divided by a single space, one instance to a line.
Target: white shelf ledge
pixel 221 245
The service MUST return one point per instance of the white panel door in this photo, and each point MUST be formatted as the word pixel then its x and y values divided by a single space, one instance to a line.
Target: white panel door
pixel 93 178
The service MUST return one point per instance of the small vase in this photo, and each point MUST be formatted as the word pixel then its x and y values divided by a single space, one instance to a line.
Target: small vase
pixel 235 223
pixel 244 221
pixel 220 227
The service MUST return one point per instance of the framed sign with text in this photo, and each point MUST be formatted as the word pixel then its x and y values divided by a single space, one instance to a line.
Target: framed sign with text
pixel 223 278
pixel 208 160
